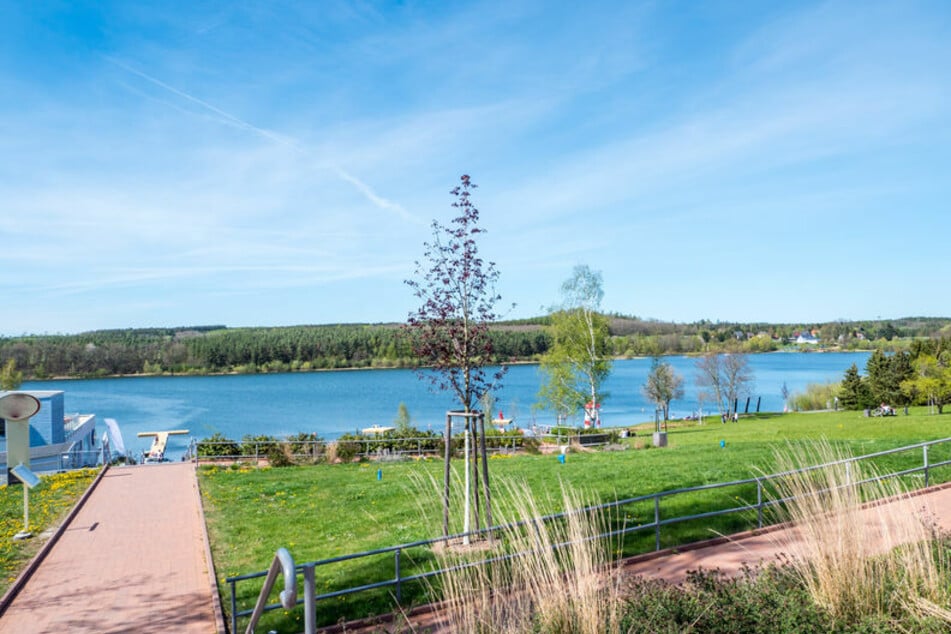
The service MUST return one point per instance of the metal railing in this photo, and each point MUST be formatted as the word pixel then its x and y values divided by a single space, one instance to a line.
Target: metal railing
pixel 318 450
pixel 760 507
pixel 283 563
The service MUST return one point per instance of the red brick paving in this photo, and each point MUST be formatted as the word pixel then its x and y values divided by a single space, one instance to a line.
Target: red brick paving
pixel 132 560
pixel 730 555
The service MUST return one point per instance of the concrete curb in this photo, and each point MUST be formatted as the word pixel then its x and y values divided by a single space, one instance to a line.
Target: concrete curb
pixel 212 576
pixel 31 567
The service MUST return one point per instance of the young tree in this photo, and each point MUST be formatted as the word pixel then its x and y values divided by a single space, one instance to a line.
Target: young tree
pixel 403 421
pixel 449 332
pixel 10 377
pixel 932 382
pixel 728 375
pixel 663 385
pixel 577 363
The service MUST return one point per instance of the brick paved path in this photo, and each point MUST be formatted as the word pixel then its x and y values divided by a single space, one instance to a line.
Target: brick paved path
pixel 132 560
pixel 764 546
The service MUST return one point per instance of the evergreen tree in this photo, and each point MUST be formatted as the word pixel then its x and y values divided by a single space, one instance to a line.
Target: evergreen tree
pixel 885 376
pixel 854 393
pixel 878 371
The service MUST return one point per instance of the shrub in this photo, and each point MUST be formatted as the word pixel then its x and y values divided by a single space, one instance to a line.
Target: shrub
pixel 347 447
pixel 767 601
pixel 280 456
pixel 260 445
pixel 306 447
pixel 218 445
pixel 817 396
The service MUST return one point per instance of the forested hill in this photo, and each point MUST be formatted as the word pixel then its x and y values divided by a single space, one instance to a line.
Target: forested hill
pixel 216 349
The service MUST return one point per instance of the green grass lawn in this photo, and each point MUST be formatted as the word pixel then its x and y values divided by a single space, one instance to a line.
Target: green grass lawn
pixel 323 511
pixel 50 501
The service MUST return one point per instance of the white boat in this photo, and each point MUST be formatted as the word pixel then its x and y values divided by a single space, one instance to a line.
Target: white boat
pixel 376 429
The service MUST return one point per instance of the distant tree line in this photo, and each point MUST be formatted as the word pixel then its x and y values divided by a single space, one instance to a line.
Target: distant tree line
pixel 216 349
pixel 243 350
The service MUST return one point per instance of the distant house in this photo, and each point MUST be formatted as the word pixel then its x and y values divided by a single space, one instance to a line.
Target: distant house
pixel 807 338
pixel 57 440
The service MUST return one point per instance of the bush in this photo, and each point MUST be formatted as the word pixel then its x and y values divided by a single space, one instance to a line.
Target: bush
pixel 347 447
pixel 280 456
pixel 303 444
pixel 218 445
pixel 817 396
pixel 769 601
pixel 258 445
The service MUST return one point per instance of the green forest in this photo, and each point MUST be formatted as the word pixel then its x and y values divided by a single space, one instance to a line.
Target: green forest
pixel 219 349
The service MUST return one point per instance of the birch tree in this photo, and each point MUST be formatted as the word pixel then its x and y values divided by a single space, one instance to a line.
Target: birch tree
pixel 577 363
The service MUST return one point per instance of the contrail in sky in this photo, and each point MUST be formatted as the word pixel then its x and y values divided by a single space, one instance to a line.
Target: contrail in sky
pixel 230 119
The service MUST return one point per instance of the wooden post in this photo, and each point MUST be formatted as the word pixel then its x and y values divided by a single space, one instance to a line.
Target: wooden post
pixel 445 488
pixel 485 476
pixel 475 470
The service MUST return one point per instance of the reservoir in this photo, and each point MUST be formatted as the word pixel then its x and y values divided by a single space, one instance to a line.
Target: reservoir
pixel 337 402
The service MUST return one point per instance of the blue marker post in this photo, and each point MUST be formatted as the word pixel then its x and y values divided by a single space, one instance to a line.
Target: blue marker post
pixel 561 458
pixel 379 474
pixel 722 444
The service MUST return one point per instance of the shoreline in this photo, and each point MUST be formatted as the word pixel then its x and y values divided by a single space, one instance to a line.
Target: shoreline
pixel 384 368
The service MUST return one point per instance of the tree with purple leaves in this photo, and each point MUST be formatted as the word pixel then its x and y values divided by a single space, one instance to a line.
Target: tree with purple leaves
pixel 449 332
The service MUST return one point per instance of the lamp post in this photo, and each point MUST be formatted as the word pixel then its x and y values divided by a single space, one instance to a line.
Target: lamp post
pixel 18 408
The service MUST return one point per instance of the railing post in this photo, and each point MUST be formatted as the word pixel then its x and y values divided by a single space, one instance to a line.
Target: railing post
pixel 656 522
pixel 234 607
pixel 310 603
pixel 759 503
pixel 925 451
pixel 848 473
pixel 399 586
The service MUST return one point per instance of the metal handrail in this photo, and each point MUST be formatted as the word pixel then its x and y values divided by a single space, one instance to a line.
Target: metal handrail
pixel 760 506
pixel 283 563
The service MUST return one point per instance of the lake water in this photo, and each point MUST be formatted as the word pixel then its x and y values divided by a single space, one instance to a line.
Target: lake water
pixel 333 403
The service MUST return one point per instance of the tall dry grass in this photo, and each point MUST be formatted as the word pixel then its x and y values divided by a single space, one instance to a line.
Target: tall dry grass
pixel 858 558
pixel 548 576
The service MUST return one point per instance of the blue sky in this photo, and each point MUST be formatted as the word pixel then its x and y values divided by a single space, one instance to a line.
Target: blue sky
pixel 280 163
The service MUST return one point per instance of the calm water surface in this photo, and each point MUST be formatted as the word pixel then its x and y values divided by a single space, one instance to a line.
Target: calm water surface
pixel 333 403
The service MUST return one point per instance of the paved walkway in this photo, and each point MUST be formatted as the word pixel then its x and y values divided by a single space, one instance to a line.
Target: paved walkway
pixel 132 560
pixel 732 553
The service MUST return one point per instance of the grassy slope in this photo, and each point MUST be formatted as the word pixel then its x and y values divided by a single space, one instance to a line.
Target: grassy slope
pixel 324 511
pixel 49 503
